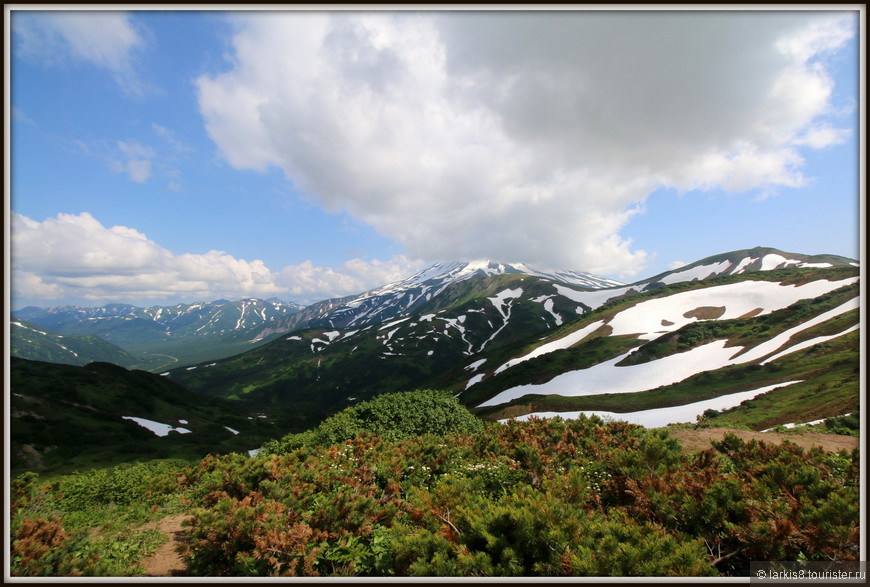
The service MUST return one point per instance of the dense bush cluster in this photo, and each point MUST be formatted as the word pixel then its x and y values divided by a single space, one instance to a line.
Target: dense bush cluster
pixel 539 498
pixel 393 416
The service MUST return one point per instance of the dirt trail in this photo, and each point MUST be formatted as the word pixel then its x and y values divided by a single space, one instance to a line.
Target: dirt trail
pixel 700 438
pixel 166 562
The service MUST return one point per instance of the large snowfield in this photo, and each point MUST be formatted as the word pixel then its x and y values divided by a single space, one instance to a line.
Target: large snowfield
pixel 650 319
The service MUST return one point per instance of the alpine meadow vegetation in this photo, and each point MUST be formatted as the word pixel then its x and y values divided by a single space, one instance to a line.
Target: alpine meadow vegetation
pixel 396 487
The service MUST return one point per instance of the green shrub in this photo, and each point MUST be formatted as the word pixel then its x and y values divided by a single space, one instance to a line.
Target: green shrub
pixel 141 483
pixel 392 416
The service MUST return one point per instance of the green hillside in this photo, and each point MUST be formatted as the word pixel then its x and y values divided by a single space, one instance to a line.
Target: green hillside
pixel 68 417
pixel 829 371
pixel 29 341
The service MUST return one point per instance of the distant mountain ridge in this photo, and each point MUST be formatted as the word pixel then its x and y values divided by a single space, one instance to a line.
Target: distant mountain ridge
pixel 128 324
pixel 748 261
pixel 156 336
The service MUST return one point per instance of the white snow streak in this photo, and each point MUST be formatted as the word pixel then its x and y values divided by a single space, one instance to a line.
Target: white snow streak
pixel 781 339
pixel 700 272
pixel 499 300
pixel 473 366
pixel 393 323
pixel 809 343
pixel 659 417
pixel 607 378
pixel 561 343
pixel 744 263
pixel 473 380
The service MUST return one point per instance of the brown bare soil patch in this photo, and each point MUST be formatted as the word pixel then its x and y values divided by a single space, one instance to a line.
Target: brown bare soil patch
pixel 706 313
pixel 700 438
pixel 751 313
pixel 166 562
pixel 511 412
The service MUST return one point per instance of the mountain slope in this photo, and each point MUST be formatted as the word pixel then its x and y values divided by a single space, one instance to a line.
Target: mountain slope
pixel 29 341
pixel 326 368
pixel 732 338
pixel 413 295
pixel 65 416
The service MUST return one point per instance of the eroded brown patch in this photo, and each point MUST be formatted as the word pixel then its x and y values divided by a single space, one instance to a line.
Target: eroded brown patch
pixel 752 313
pixel 511 412
pixel 706 313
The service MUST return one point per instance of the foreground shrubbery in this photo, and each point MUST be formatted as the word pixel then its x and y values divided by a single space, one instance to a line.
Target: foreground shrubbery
pixel 81 524
pixel 544 498
pixel 367 494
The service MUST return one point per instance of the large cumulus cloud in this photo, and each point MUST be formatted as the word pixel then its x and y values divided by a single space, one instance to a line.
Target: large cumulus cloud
pixel 523 136
pixel 76 258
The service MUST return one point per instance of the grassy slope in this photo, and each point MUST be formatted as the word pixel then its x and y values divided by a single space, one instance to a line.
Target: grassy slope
pixel 67 417
pixel 29 341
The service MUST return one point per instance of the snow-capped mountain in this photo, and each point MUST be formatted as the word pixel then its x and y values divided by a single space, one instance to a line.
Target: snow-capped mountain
pixel 443 274
pixel 407 296
pixel 403 297
pixel 125 324
pixel 727 328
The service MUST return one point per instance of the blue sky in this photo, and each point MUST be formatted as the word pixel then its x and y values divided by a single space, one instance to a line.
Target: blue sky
pixel 165 156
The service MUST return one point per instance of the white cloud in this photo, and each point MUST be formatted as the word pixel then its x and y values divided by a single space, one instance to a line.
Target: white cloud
pixel 821 136
pixel 74 258
pixel 103 38
pixel 526 136
pixel 134 159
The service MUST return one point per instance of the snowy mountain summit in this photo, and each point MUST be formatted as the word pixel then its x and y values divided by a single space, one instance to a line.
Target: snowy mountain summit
pixel 440 275
pixel 401 297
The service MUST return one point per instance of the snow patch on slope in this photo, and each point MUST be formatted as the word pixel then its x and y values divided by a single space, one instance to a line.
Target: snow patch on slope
pixel 562 343
pixel 158 428
pixel 659 417
pixel 645 319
